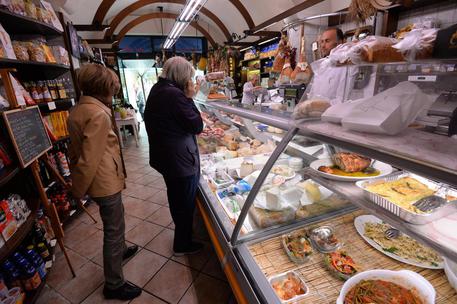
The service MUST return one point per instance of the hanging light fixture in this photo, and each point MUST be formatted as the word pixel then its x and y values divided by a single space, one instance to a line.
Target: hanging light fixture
pixel 187 15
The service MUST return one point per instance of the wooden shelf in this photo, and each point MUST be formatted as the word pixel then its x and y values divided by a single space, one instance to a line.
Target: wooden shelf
pixel 16 24
pixel 60 105
pixel 31 70
pixel 252 59
pixel 17 237
pixel 7 174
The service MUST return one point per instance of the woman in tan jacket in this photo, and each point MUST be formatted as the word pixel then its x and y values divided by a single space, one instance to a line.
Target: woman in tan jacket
pixel 97 170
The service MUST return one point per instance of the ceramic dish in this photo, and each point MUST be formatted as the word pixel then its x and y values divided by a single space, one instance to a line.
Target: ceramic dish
pixel 405 278
pixel 383 168
pixel 359 223
pixel 450 268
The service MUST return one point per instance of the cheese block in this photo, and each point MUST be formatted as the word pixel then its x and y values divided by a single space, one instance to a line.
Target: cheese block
pixel 312 190
pixel 273 199
pixel 291 196
pixel 246 169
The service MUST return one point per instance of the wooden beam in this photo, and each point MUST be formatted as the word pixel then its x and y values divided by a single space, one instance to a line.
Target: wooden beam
pixel 90 27
pixel 142 3
pixel 240 43
pixel 98 41
pixel 244 12
pixel 292 11
pixel 263 33
pixel 104 7
pixel 102 10
pixel 158 15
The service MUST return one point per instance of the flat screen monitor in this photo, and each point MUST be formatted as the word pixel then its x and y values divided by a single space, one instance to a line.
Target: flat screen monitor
pixel 135 44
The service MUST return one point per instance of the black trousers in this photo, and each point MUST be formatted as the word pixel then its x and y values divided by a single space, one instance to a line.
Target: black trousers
pixel 181 193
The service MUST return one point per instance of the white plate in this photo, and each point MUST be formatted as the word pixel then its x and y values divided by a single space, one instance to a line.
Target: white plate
pixel 383 168
pixel 284 167
pixel 359 224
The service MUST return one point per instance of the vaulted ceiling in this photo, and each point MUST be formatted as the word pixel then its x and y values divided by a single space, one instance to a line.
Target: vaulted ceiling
pixel 103 21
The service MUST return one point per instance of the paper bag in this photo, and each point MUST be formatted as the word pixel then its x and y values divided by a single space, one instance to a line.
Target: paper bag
pixel 336 112
pixel 389 112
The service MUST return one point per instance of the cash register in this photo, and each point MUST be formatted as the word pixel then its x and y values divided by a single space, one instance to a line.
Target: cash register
pixel 291 94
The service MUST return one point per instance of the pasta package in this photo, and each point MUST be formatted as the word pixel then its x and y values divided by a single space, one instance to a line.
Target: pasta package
pixel 6 45
pixel 36 52
pixel 48 54
pixel 20 50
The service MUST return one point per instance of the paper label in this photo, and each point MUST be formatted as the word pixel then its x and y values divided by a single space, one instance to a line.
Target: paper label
pixel 51 105
pixel 422 78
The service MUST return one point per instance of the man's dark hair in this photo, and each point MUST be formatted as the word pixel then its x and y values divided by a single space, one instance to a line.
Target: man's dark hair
pixel 339 33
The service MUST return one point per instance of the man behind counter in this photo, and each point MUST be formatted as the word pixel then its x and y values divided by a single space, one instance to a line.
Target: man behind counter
pixel 328 82
pixel 329 39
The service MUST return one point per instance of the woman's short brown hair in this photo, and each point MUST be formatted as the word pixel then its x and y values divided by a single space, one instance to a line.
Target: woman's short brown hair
pixel 97 80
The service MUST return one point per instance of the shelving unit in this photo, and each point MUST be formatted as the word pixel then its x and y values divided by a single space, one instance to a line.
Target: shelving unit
pixel 17 24
pixel 7 174
pixel 30 70
pixel 56 105
pixel 18 236
pixel 33 71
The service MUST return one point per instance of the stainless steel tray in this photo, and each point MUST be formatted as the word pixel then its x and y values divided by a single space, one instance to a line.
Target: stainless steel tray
pixel 406 215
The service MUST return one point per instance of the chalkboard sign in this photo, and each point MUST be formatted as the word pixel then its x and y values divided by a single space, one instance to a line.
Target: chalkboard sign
pixel 28 134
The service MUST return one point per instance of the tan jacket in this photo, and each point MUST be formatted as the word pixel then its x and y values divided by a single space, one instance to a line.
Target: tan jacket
pixel 95 157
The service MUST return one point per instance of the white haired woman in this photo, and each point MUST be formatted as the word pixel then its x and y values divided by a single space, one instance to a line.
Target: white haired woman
pixel 249 89
pixel 172 121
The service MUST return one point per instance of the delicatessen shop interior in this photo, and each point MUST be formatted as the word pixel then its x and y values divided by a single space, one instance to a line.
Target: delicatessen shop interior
pixel 327 160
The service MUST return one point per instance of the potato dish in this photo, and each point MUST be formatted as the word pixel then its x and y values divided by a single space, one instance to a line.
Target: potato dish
pixel 403 192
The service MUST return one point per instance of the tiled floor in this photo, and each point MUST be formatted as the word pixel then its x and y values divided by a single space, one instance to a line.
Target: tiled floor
pixel 163 277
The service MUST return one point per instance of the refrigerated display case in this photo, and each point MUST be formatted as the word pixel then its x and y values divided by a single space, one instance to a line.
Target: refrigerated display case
pixel 260 184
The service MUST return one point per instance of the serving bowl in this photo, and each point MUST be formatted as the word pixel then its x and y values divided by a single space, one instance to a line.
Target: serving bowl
pixel 405 278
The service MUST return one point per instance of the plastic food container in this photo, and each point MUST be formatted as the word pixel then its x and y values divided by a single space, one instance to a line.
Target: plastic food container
pixel 409 216
pixel 221 179
pixel 284 276
pixel 450 268
pixel 290 254
pixel 405 278
pixel 321 239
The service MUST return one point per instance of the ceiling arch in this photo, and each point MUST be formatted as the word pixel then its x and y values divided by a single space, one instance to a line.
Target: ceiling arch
pixel 158 15
pixel 141 3
pixel 244 12
pixel 105 5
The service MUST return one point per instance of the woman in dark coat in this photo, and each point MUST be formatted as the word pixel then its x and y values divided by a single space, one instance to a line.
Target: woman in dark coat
pixel 172 122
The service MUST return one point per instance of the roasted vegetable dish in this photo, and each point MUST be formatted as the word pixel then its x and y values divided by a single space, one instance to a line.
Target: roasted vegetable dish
pixel 341 264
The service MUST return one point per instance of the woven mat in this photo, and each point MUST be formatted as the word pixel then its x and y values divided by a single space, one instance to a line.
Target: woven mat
pixel 325 288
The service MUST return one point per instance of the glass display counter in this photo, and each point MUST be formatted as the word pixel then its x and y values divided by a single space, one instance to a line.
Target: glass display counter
pixel 265 185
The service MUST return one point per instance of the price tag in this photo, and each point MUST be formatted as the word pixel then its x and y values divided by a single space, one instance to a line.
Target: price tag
pixel 52 105
pixel 422 78
pixel 72 102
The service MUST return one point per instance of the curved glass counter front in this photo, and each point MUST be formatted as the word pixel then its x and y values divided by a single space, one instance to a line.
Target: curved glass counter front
pixel 256 172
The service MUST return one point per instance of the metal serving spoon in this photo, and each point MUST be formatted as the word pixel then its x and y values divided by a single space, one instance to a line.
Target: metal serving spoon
pixel 392 233
pixel 429 203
